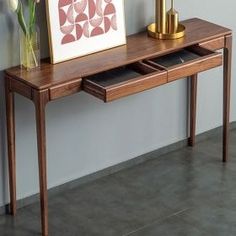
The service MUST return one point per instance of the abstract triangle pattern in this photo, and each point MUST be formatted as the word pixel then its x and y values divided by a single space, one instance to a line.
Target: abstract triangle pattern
pixel 86 18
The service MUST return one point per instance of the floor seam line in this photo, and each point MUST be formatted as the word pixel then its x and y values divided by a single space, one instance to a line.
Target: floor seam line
pixel 155 221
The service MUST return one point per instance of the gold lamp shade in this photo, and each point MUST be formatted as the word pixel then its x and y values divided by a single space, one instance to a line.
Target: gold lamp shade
pixel 167 24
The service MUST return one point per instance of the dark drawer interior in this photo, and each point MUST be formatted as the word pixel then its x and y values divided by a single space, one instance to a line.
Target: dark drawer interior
pixel 114 76
pixel 121 74
pixel 176 58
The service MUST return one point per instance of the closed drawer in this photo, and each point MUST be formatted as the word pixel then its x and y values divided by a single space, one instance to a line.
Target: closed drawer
pixel 214 44
pixel 124 81
pixel 65 89
pixel 186 62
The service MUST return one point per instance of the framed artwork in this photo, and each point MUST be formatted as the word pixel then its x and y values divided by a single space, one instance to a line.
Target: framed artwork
pixel 81 27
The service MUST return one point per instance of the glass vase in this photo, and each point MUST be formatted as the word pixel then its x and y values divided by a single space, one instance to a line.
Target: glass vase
pixel 30 48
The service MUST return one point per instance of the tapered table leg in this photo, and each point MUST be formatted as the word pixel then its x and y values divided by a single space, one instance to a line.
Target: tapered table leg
pixel 193 109
pixel 40 99
pixel 226 94
pixel 10 116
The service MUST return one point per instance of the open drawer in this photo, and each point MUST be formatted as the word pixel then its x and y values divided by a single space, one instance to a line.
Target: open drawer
pixel 186 62
pixel 124 81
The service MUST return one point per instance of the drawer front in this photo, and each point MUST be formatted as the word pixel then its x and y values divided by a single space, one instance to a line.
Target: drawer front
pixel 214 44
pixel 139 85
pixel 186 62
pixel 66 89
pixel 194 67
pixel 112 90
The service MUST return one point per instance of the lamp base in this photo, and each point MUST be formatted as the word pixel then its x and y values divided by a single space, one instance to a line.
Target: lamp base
pixel 152 32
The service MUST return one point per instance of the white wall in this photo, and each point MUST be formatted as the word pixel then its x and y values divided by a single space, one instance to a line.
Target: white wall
pixel 83 134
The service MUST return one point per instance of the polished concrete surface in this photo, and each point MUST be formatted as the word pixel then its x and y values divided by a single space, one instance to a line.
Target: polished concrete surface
pixel 188 192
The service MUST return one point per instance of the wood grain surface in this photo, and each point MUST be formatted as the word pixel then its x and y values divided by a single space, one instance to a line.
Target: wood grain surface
pixel 138 47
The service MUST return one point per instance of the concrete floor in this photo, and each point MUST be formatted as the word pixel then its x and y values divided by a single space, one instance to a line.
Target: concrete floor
pixel 188 192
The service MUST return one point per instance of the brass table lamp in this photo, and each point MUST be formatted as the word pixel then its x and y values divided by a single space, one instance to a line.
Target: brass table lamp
pixel 167 24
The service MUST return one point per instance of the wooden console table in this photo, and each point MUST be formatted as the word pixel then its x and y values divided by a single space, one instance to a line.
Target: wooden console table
pixel 142 64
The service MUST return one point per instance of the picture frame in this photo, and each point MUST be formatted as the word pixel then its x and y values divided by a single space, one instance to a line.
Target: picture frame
pixel 80 27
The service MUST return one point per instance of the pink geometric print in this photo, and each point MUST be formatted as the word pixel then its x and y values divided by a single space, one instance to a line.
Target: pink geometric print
pixel 86 18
